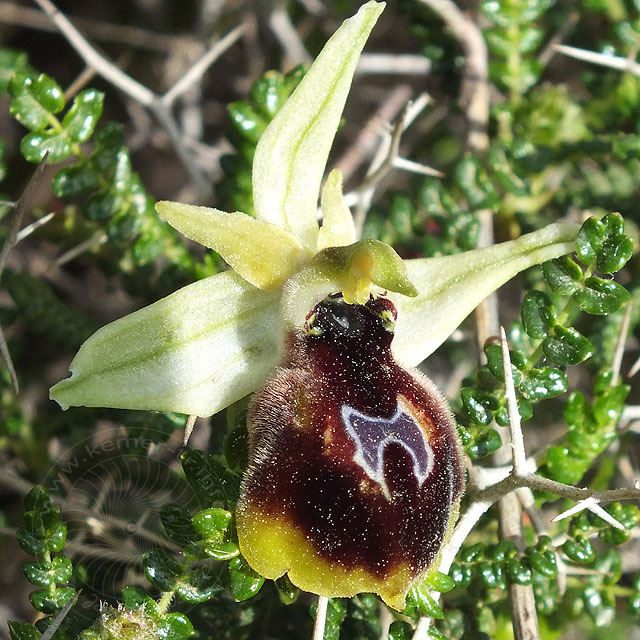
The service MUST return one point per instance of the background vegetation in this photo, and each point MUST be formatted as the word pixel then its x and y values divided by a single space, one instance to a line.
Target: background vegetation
pixel 145 528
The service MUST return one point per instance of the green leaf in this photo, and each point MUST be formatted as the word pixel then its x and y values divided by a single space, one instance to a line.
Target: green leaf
pixel 201 584
pixel 161 569
pixel 176 521
pixel 38 573
pixel 221 550
pixel 563 275
pixel 461 574
pixel 174 626
pixel 247 122
pixel 419 601
pixel 601 297
pixel 336 613
pixel 399 630
pixel 71 182
pixel 57 536
pixel 194 352
pixel 213 524
pixel 31 544
pixel 212 481
pixel 13 63
pixel 245 582
pixel 562 466
pixel 579 550
pixel 35 100
pixel 479 405
pixel 567 346
pixel 616 247
pixel 287 591
pixel 46 601
pixel 510 182
pixel 538 314
pixel 589 240
pixel 489 442
pixel 37 499
pixel 543 383
pixel 134 597
pixel 518 571
pixel 36 145
pixel 23 631
pixel 292 152
pixel 80 121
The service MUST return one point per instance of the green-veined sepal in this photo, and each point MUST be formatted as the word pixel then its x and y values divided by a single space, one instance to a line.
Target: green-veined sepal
pixel 451 287
pixel 195 351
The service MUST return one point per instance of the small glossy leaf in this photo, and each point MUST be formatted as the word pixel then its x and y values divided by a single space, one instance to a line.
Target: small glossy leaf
pixel 38 573
pixel 567 346
pixel 461 574
pixel 543 383
pixel 616 248
pixel 246 121
pixel 37 499
pixel 221 550
pixel 176 521
pixel 563 275
pixel 473 553
pixel 589 240
pixel 211 480
pixel 287 591
pixel 46 601
pixel 23 631
pixel 212 524
pixel 601 297
pixel 562 466
pixel 161 569
pixel 134 597
pixel 518 571
pixel 579 550
pixel 174 626
pixel 31 544
pixel 543 562
pixel 71 182
pixel 36 145
pixel 440 582
pixel 57 536
pixel 245 582
pixel 538 314
pixel 201 584
pixel 489 442
pixel 81 119
pixel 420 602
pixel 35 100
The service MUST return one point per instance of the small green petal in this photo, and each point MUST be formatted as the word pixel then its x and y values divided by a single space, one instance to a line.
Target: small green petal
pixel 355 271
pixel 451 287
pixel 292 152
pixel 195 351
pixel 264 254
pixel 337 228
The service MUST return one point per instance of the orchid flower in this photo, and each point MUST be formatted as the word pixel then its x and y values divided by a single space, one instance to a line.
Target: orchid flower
pixel 217 340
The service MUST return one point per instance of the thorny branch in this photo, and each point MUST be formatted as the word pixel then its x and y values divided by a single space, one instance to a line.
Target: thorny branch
pixel 518 479
pixel 159 105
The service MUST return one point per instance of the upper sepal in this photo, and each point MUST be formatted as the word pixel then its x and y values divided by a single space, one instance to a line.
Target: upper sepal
pixel 292 152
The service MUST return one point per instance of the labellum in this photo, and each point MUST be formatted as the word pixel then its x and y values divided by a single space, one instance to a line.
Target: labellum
pixel 355 471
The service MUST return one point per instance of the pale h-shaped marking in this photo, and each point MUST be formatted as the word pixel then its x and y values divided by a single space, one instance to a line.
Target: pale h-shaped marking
pixel 372 434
